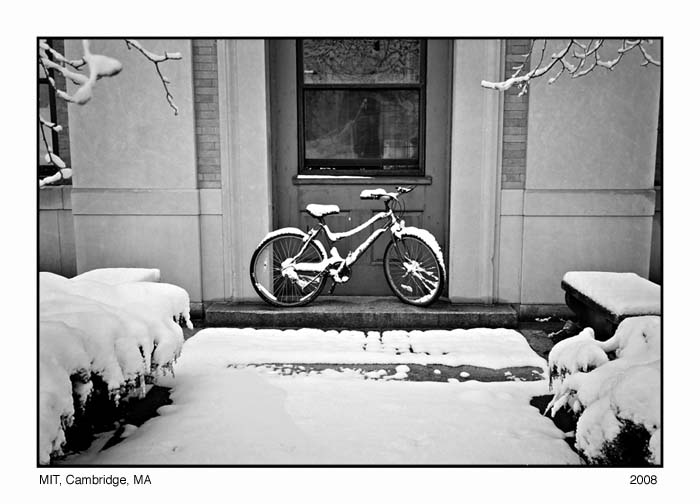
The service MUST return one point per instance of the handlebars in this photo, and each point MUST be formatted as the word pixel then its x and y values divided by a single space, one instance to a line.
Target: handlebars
pixel 381 194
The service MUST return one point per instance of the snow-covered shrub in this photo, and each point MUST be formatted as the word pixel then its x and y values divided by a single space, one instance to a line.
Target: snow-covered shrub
pixel 617 402
pixel 575 354
pixel 101 339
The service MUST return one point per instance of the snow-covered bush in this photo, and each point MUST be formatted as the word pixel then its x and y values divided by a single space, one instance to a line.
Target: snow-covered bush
pixel 614 389
pixel 102 334
pixel 580 353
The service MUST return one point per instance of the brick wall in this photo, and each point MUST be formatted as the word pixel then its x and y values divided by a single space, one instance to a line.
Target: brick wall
pixel 206 113
pixel 515 109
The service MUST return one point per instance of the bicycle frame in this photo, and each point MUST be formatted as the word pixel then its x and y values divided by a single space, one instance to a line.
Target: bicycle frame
pixel 295 264
pixel 335 262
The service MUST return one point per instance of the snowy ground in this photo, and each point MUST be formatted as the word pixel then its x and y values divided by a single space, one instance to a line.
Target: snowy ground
pixel 227 412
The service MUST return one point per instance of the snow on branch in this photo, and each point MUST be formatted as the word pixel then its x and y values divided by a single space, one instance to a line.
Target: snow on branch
pixel 157 59
pixel 576 58
pixel 44 48
pixel 62 173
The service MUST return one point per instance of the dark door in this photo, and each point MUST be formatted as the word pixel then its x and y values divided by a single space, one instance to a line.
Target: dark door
pixel 298 181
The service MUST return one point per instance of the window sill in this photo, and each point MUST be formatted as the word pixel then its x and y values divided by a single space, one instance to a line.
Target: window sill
pixel 359 180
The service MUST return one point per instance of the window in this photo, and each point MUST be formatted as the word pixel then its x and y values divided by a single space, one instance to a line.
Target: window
pixel 47 110
pixel 361 106
pixel 54 109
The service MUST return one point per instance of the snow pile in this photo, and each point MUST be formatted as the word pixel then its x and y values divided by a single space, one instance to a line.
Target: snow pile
pixel 120 275
pixel 620 293
pixel 121 332
pixel 617 401
pixel 227 414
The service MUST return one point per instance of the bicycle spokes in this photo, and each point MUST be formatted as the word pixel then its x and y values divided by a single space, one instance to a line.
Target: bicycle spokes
pixel 413 270
pixel 275 275
pixel 428 279
pixel 289 281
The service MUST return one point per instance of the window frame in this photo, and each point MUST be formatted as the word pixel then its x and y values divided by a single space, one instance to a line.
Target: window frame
pixel 357 167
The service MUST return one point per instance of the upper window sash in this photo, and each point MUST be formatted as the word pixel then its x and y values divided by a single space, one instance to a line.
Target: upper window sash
pixel 363 65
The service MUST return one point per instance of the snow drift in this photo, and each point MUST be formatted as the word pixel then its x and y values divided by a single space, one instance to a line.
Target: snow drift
pixel 107 328
pixel 618 401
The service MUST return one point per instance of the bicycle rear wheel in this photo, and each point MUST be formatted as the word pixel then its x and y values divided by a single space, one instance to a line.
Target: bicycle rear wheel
pixel 413 271
pixel 283 290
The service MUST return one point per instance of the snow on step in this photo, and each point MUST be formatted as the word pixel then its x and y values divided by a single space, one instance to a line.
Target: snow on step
pixel 373 343
pixel 396 341
pixel 490 348
pixel 620 293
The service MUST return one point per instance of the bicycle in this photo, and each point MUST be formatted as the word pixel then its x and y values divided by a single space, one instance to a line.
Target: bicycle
pixel 290 267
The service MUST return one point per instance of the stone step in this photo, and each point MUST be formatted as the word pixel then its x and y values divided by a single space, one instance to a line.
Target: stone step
pixel 361 312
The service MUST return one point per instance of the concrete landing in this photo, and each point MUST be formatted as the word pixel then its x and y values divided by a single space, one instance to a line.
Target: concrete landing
pixel 361 312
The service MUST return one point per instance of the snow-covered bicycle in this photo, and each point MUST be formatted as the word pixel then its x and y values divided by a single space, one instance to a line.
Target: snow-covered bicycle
pixel 290 267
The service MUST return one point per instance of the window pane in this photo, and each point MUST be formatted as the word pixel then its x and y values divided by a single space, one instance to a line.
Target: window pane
pixel 361 61
pixel 42 73
pixel 45 112
pixel 362 125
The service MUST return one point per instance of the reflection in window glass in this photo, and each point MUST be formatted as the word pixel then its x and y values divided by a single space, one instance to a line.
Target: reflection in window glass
pixel 45 112
pixel 362 124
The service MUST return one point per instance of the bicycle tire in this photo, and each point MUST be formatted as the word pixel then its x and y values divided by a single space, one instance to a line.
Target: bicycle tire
pixel 415 289
pixel 286 294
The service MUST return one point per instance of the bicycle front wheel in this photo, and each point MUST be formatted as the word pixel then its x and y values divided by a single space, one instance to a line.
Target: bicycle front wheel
pixel 413 271
pixel 286 290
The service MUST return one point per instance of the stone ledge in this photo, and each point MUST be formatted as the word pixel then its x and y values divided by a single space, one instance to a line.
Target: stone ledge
pixel 592 314
pixel 360 312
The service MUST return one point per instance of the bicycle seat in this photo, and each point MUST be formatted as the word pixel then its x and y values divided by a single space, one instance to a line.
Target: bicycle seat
pixel 319 211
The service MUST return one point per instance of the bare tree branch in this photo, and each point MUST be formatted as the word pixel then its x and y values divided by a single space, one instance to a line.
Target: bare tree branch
pixel 157 59
pixel 572 61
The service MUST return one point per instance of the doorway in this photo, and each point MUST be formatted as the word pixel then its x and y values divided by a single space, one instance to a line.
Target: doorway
pixel 424 163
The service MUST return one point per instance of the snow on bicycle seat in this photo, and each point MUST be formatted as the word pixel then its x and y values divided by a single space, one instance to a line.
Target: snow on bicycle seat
pixel 319 211
pixel 373 193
